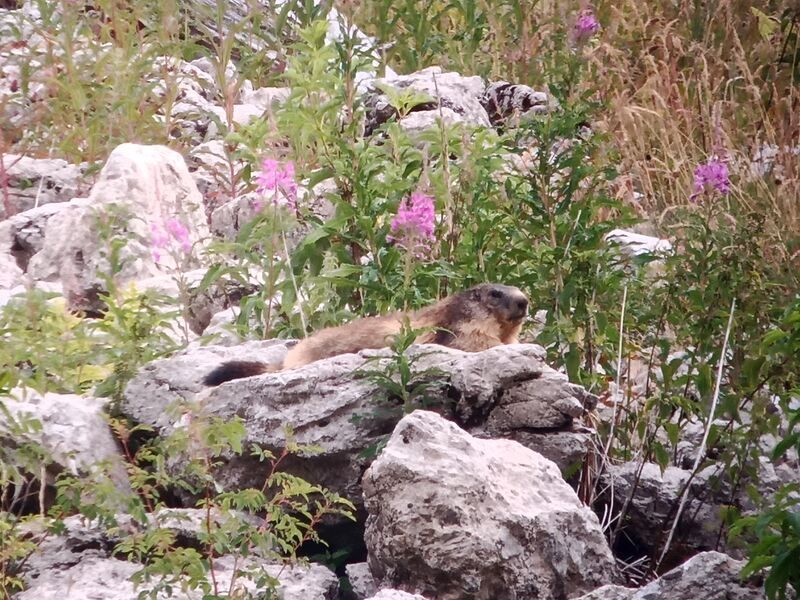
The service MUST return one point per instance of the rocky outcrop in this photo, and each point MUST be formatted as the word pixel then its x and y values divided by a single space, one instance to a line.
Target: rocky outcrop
pixel 709 575
pixel 458 517
pixel 498 392
pixel 140 191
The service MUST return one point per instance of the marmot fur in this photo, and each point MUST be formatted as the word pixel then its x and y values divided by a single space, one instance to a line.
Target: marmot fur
pixel 476 319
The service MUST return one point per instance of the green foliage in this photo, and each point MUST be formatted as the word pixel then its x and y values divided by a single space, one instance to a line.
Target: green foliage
pixel 403 384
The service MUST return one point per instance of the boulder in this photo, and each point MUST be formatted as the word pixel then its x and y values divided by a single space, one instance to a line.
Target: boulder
pixel 74 433
pixel 34 182
pixel 508 103
pixel 708 575
pixel 386 594
pixel 498 392
pixel 362 584
pixel 77 564
pixel 651 509
pixel 458 517
pixel 455 96
pixel 139 192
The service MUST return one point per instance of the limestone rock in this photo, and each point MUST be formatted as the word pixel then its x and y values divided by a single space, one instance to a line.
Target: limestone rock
pixel 73 431
pixel 459 95
pixel 506 103
pixel 708 575
pixel 652 503
pixel 458 517
pixel 386 594
pixel 34 182
pixel 140 188
pixel 329 406
pixel 636 244
pixel 362 583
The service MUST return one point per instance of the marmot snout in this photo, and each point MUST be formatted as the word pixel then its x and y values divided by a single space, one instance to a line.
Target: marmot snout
pixel 476 319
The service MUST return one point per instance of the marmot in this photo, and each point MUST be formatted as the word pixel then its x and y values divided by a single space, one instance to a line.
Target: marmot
pixel 476 319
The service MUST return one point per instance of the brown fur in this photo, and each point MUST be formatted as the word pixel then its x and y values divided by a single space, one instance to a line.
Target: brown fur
pixel 476 319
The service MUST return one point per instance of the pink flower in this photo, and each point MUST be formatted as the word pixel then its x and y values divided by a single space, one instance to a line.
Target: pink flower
pixel 276 177
pixel 584 27
pixel 711 177
pixel 413 225
pixel 163 234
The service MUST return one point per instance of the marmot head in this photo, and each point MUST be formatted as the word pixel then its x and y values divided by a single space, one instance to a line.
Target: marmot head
pixel 506 303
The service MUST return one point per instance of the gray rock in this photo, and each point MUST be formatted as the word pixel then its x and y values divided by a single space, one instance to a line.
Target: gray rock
pixel 387 594
pixel 708 575
pixel 139 188
pixel 24 233
pixel 95 578
pixel 265 99
pixel 33 182
pixel 650 511
pixel 79 565
pixel 636 244
pixel 458 517
pixel 328 406
pixel 362 583
pixel 507 103
pixel 460 95
pixel 74 432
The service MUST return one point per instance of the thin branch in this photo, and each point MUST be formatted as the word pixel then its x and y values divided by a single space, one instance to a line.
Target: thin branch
pixel 702 449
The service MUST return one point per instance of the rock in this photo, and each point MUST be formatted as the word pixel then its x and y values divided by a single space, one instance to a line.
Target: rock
pixel 636 244
pixel 265 99
pixel 109 579
pixel 34 182
pixel 140 188
pixel 362 583
pixel 25 232
pixel 74 432
pixel 395 595
pixel 653 501
pixel 508 103
pixel 347 415
pixel 457 517
pixel 79 564
pixel 10 273
pixel 708 575
pixel 460 96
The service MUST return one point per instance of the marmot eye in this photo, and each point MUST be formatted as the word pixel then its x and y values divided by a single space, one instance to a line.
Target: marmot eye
pixel 495 294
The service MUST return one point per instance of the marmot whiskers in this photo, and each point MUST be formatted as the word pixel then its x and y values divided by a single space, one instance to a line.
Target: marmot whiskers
pixel 476 319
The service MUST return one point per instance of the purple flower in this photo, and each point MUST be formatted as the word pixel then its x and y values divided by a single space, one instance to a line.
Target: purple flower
pixel 412 226
pixel 277 177
pixel 711 176
pixel 584 27
pixel 162 235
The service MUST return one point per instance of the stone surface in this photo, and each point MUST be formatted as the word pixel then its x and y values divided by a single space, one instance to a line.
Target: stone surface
pixel 74 432
pixel 459 95
pixel 508 103
pixel 24 233
pixel 34 182
pixel 345 415
pixel 652 503
pixel 636 244
pixel 78 565
pixel 458 517
pixel 95 578
pixel 708 575
pixel 386 594
pixel 362 583
pixel 140 187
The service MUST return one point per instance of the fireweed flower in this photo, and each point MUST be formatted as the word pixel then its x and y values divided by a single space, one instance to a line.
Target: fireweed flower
pixel 413 225
pixel 167 235
pixel 711 177
pixel 278 178
pixel 584 27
